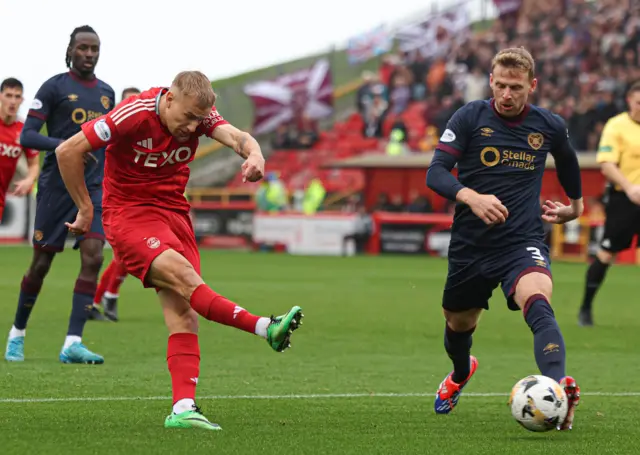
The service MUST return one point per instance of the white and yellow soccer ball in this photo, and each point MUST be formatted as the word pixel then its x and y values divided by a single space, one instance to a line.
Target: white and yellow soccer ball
pixel 538 403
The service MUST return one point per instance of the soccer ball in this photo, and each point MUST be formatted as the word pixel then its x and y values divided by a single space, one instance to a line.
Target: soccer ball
pixel 538 403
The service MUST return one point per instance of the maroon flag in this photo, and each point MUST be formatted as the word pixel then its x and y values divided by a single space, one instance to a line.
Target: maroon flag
pixel 307 92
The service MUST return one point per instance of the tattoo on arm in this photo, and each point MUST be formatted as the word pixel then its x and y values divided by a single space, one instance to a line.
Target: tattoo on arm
pixel 241 144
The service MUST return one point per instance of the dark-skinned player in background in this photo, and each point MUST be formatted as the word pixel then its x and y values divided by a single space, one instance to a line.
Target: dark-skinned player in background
pixel 64 103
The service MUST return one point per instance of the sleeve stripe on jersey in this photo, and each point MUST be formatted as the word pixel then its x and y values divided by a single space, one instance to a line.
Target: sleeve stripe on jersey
pixel 37 114
pixel 126 111
pixel 448 149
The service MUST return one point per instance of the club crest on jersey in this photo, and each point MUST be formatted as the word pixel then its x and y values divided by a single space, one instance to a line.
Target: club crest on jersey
pixel 153 243
pixel 72 97
pixel 535 140
pixel 105 101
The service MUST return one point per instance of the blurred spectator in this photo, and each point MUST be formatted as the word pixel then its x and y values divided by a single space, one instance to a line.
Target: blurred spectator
pixel 271 196
pixel 587 53
pixel 370 85
pixel 446 111
pixel 289 136
pixel 375 113
pixel 385 205
pixel 307 134
pixel 282 138
pixel 361 234
pixel 476 85
pixel 418 204
pixel 396 204
pixel 419 68
pixel 399 94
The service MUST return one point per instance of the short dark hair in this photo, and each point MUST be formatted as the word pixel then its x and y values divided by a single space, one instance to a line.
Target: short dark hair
pixel 11 82
pixel 133 90
pixel 633 88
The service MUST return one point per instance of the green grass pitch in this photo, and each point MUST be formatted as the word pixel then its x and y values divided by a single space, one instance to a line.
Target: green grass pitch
pixel 359 379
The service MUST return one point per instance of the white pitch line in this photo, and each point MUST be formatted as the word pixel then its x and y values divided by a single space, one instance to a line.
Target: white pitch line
pixel 285 397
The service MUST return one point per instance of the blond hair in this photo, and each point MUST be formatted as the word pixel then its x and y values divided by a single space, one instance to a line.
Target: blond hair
pixel 197 85
pixel 515 58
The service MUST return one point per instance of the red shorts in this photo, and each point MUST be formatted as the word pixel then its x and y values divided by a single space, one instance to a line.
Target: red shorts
pixel 139 234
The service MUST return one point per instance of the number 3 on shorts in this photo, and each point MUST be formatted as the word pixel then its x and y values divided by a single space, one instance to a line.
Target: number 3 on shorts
pixel 535 253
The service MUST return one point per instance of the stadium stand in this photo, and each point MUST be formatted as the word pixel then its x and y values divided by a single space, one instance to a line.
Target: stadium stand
pixel 586 52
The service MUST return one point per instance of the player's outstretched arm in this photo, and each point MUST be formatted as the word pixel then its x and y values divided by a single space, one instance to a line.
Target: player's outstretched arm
pixel 71 155
pixel 244 145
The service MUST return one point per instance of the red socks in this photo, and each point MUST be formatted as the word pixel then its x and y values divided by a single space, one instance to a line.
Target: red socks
pixel 183 359
pixel 110 282
pixel 214 307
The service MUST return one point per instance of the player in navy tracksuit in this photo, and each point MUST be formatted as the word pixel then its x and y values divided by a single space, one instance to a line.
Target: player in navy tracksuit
pixel 500 147
pixel 63 103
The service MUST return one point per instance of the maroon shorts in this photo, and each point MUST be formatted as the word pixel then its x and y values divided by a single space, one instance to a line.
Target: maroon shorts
pixel 139 234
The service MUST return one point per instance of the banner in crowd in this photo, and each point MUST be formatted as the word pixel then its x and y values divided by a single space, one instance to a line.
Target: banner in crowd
pixel 434 34
pixel 507 6
pixel 368 45
pixel 307 92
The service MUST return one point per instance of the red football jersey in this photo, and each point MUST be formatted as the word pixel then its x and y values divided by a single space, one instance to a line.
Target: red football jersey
pixel 10 151
pixel 144 164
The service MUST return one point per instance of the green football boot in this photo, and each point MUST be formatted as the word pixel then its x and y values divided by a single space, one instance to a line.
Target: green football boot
pixel 190 419
pixel 281 327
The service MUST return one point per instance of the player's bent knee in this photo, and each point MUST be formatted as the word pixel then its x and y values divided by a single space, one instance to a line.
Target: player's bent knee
pixel 170 270
pixel 535 283
pixel 91 257
pixel 91 263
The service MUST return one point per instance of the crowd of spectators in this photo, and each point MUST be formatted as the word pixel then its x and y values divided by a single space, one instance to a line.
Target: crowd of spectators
pixel 299 134
pixel 587 53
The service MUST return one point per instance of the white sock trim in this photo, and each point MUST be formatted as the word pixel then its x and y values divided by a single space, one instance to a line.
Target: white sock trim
pixel 70 339
pixel 186 404
pixel 14 333
pixel 261 327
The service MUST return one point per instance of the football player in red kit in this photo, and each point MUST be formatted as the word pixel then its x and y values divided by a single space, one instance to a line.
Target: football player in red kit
pixel 10 149
pixel 150 140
